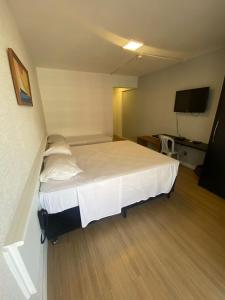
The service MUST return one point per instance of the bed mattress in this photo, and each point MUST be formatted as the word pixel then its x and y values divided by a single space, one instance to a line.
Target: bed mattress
pixel 88 139
pixel 115 175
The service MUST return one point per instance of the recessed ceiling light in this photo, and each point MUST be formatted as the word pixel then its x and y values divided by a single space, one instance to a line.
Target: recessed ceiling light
pixel 132 45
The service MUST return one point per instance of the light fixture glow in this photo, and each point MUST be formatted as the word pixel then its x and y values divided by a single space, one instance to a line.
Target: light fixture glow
pixel 132 45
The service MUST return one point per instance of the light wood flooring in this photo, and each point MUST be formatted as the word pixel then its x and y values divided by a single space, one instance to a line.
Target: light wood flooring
pixel 165 249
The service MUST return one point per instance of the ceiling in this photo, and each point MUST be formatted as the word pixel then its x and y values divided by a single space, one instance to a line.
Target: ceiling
pixel 88 35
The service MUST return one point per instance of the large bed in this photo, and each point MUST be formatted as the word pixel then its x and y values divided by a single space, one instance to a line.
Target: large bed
pixel 115 175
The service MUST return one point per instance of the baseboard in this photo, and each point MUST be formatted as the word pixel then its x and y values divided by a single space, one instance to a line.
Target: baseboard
pixel 45 272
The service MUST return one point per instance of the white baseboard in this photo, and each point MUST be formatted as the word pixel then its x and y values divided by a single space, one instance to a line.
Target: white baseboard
pixel 45 272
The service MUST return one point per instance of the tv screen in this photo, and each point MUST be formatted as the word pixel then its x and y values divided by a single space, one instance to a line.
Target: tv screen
pixel 194 100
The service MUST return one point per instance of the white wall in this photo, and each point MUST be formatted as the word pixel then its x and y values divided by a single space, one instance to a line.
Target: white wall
pixel 124 81
pixel 76 103
pixel 157 94
pixel 21 132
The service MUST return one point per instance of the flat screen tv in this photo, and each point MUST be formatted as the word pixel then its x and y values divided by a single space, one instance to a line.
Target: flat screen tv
pixel 193 101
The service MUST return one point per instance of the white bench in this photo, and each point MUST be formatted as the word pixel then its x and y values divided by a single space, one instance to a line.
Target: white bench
pixel 88 139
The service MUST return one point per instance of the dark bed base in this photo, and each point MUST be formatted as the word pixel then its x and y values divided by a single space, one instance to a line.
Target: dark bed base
pixel 69 219
pixel 62 222
pixel 124 209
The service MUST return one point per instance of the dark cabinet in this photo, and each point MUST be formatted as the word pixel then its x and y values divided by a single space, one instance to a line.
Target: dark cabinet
pixel 213 172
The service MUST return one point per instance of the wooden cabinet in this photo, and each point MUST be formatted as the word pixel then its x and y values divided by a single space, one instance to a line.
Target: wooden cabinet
pixel 213 172
pixel 149 141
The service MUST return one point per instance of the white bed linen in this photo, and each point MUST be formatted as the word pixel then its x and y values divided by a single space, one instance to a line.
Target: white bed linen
pixel 115 175
pixel 88 139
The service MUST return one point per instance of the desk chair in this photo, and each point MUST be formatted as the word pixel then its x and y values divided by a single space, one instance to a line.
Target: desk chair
pixel 167 146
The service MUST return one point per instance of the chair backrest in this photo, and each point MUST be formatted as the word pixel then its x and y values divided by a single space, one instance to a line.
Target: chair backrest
pixel 167 144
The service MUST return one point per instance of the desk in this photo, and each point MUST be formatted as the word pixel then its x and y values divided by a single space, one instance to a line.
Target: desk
pixel 199 146
pixel 154 140
pixel 151 141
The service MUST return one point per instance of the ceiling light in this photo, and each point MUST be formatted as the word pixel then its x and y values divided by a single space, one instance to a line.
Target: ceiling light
pixel 132 45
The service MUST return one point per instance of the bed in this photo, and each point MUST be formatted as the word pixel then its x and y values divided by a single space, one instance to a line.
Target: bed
pixel 88 139
pixel 115 175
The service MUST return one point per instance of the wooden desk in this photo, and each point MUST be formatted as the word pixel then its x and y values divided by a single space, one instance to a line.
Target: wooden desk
pixel 154 141
pixel 199 146
pixel 149 141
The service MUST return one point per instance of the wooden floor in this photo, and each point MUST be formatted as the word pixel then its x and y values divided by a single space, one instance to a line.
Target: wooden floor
pixel 165 249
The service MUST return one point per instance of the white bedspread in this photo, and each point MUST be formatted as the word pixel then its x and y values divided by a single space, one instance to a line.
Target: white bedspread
pixel 115 175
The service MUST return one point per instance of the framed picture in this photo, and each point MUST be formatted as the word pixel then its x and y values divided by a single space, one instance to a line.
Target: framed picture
pixel 20 79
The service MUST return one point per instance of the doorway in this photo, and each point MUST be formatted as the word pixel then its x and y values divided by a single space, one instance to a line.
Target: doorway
pixel 124 112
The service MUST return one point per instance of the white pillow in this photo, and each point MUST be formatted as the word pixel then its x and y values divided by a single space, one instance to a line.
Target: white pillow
pixel 59 167
pixel 55 138
pixel 58 148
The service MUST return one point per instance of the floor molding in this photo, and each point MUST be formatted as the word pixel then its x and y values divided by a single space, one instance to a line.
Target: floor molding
pixel 45 272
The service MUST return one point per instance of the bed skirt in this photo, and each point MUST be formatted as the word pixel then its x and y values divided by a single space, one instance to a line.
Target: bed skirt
pixel 69 219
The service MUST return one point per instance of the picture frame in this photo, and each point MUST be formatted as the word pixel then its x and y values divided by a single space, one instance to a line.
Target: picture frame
pixel 20 79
